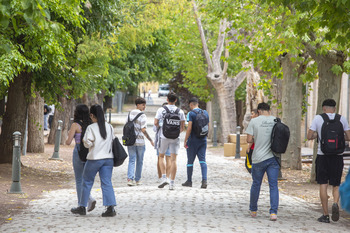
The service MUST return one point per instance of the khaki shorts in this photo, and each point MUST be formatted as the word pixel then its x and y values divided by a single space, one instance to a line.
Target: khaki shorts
pixel 172 144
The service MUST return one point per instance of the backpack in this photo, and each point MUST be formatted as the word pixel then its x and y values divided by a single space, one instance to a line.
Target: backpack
pixel 332 135
pixel 83 151
pixel 200 126
pixel 129 135
pixel 171 123
pixel 279 137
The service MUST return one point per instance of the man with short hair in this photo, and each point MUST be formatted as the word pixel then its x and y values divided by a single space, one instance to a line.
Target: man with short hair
pixel 195 146
pixel 263 161
pixel 165 143
pixel 137 151
pixel 329 168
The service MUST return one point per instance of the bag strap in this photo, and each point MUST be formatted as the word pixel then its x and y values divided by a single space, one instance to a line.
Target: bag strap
pixel 177 111
pixel 337 117
pixel 166 109
pixel 137 116
pixel 325 117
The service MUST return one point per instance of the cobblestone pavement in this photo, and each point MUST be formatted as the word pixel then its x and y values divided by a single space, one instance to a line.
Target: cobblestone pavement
pixel 222 207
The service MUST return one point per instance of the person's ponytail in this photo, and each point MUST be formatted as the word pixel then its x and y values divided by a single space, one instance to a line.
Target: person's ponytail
pixel 97 111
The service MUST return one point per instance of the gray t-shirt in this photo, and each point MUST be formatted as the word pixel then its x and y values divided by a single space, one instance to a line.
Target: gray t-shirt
pixel 260 128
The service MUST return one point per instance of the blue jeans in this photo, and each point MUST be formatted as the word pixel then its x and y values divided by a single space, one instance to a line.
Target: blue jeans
pixel 78 167
pixel 271 167
pixel 105 168
pixel 136 154
pixel 46 117
pixel 196 147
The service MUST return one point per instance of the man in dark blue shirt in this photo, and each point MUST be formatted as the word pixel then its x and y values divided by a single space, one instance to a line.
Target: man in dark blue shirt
pixel 195 146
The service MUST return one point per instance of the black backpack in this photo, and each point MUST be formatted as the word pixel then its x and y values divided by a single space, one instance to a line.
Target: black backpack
pixel 171 123
pixel 279 137
pixel 83 151
pixel 200 126
pixel 129 136
pixel 332 135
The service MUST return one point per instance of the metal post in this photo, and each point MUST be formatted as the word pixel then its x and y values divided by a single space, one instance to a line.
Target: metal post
pixel 110 115
pixel 55 154
pixel 215 139
pixel 16 164
pixel 24 149
pixel 238 143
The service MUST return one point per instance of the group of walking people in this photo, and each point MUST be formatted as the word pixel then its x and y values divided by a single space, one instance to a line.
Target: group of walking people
pixel 91 130
pixel 169 122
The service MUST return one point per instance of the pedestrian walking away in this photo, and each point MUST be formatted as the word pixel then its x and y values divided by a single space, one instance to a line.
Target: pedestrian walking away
pixel 137 150
pixel 196 142
pixel 51 114
pixel 173 124
pixel 263 161
pixel 98 138
pixel 47 110
pixel 167 153
pixel 81 122
pixel 249 152
pixel 331 130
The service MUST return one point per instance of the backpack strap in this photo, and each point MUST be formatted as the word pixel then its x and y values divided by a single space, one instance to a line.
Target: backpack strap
pixel 337 117
pixel 137 116
pixel 166 109
pixel 325 117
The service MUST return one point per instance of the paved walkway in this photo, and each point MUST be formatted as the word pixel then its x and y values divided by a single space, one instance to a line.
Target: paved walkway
pixel 223 207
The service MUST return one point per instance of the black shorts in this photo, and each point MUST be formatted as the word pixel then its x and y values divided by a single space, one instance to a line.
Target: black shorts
pixel 329 169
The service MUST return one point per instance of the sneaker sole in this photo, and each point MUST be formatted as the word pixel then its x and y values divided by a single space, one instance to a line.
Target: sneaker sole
pixel 335 213
pixel 92 207
pixel 162 185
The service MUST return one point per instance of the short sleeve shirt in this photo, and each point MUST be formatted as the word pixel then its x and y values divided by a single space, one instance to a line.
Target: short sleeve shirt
pixel 317 123
pixel 161 113
pixel 192 117
pixel 261 128
pixel 139 124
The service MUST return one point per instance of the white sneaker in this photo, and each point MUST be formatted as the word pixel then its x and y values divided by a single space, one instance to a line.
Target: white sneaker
pixel 91 204
pixel 131 183
pixel 163 183
pixel 171 186
pixel 138 182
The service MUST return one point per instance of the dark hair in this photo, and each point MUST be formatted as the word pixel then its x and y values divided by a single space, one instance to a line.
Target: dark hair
pixel 81 114
pixel 329 103
pixel 165 103
pixel 140 100
pixel 264 106
pixel 97 111
pixel 193 100
pixel 172 97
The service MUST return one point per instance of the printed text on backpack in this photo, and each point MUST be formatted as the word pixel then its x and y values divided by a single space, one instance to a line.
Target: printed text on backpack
pixel 171 123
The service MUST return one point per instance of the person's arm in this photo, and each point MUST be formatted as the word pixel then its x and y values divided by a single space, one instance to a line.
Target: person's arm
pixel 188 133
pixel 71 133
pixel 182 126
pixel 89 138
pixel 347 135
pixel 144 131
pixel 250 138
pixel 311 134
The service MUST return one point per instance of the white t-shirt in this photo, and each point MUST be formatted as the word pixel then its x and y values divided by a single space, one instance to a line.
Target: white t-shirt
pixel 160 116
pixel 261 128
pixel 317 123
pixel 99 148
pixel 139 124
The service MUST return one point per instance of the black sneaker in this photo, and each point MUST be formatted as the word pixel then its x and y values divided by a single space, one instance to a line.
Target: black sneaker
pixel 187 184
pixel 110 212
pixel 79 210
pixel 335 212
pixel 324 218
pixel 162 185
pixel 204 184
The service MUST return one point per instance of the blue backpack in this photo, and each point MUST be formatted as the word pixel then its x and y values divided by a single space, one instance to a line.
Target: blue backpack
pixel 344 191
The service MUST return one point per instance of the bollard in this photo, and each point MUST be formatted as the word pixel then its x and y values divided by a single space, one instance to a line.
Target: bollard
pixel 16 164
pixel 215 139
pixel 110 115
pixel 238 143
pixel 55 155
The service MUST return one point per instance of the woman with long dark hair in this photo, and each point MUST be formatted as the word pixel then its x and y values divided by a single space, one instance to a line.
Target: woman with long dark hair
pixel 81 122
pixel 98 138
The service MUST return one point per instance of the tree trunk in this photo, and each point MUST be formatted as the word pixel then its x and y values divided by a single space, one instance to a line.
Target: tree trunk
pixel 15 116
pixel 329 84
pixel 292 99
pixel 63 113
pixel 36 124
